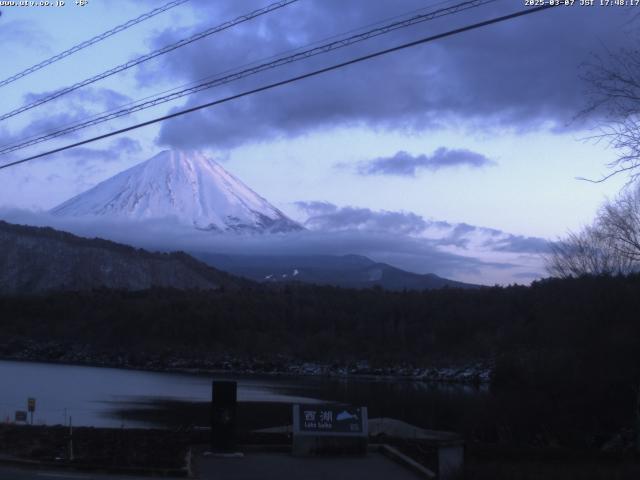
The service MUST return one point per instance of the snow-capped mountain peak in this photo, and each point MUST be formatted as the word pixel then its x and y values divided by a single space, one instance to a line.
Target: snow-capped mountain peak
pixel 187 186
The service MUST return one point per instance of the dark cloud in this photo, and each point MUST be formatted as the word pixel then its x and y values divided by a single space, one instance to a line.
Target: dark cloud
pixel 114 151
pixel 519 75
pixel 459 236
pixel 519 244
pixel 441 224
pixel 463 235
pixel 326 217
pixel 104 98
pixel 316 207
pixel 22 33
pixel 405 164
pixel 58 115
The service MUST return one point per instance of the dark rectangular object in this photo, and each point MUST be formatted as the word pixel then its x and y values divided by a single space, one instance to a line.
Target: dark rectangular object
pixel 224 395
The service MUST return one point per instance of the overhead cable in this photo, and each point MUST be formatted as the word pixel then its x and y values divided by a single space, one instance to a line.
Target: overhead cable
pixel 270 86
pixel 92 41
pixel 325 48
pixel 147 57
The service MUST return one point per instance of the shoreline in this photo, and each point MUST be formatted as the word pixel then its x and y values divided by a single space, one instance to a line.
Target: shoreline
pixel 472 374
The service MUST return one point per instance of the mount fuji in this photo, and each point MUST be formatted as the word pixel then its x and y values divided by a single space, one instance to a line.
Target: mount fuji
pixel 186 186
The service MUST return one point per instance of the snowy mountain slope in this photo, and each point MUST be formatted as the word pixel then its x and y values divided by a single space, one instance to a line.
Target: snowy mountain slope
pixel 187 186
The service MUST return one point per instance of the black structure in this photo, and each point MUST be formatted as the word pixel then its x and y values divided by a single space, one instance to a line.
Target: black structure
pixel 223 415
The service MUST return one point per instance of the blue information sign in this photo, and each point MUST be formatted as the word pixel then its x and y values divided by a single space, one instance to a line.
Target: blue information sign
pixel 330 419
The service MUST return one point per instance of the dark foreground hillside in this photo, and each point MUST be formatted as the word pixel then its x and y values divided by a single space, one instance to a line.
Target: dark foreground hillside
pixel 36 260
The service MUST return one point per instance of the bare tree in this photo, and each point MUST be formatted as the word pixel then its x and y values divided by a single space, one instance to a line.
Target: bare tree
pixel 610 246
pixel 619 224
pixel 613 95
pixel 587 252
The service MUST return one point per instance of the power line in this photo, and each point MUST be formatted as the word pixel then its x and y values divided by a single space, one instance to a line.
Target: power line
pixel 211 76
pixel 92 41
pixel 149 56
pixel 270 86
pixel 325 48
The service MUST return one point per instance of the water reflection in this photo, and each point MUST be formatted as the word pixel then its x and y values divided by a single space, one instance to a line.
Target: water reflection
pixel 88 394
pixel 91 395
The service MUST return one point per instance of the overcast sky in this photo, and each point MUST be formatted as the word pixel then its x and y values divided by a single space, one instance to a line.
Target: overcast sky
pixel 457 157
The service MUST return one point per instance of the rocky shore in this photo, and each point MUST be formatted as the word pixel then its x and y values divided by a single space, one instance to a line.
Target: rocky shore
pixel 470 372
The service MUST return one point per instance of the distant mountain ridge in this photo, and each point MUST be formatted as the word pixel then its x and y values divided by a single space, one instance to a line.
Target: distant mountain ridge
pixel 36 259
pixel 351 271
pixel 186 186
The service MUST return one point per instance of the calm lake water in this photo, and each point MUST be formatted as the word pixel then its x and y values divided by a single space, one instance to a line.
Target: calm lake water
pixel 91 395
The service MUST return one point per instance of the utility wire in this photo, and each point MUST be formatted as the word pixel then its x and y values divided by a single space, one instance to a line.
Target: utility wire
pixel 270 86
pixel 149 56
pixel 92 41
pixel 229 70
pixel 325 48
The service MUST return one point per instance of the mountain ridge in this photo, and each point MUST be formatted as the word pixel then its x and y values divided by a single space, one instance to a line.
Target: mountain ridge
pixel 40 259
pixel 349 271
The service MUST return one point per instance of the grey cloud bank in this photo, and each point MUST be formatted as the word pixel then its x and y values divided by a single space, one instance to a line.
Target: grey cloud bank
pixel 490 79
pixel 327 217
pixel 113 152
pixel 405 164
pixel 52 117
pixel 384 236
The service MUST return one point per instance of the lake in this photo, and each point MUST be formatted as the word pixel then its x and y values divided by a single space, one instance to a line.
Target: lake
pixel 92 396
